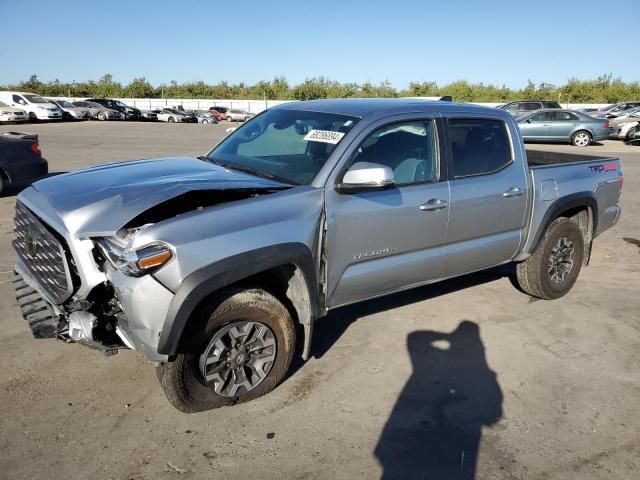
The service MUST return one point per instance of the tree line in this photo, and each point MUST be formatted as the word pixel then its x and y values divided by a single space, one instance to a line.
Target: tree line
pixel 604 89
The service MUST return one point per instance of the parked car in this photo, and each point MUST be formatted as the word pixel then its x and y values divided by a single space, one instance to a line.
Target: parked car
pixel 624 126
pixel 635 140
pixel 236 115
pixel 173 116
pixel 12 114
pixel 37 108
pixel 526 106
pixel 614 110
pixel 71 111
pixel 563 126
pixel 129 113
pixel 148 116
pixel 205 117
pixel 214 266
pixel 21 160
pixel 220 113
pixel 99 112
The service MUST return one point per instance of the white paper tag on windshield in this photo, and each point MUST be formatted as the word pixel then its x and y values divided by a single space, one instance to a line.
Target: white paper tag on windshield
pixel 324 136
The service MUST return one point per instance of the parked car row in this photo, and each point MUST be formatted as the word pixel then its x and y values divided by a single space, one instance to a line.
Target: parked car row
pixel 547 121
pixel 24 106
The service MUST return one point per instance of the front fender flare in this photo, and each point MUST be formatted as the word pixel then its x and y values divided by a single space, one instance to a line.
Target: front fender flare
pixel 211 278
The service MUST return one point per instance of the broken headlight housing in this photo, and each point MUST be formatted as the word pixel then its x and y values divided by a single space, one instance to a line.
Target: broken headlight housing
pixel 136 262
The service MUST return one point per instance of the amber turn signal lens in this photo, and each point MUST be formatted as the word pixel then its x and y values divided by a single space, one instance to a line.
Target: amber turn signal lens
pixel 154 260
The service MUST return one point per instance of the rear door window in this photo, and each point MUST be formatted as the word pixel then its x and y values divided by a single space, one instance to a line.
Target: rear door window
pixel 478 146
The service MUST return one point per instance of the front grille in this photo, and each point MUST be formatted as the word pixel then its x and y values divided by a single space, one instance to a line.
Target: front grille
pixel 42 254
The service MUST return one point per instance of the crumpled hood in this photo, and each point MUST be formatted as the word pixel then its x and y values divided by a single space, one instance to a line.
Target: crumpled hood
pixel 98 201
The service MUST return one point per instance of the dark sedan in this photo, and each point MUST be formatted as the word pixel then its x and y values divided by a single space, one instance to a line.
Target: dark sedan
pixel 130 113
pixel 563 126
pixel 21 160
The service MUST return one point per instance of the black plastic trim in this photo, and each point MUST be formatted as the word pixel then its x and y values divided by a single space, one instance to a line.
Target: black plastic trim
pixel 207 280
pixel 579 199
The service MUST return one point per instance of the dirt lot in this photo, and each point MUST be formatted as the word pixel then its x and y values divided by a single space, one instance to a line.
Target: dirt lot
pixel 467 371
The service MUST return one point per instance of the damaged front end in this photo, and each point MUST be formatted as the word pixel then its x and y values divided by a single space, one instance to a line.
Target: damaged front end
pixel 98 289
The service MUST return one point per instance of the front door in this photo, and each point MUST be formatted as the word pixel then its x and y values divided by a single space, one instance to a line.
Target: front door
pixel 386 240
pixel 537 126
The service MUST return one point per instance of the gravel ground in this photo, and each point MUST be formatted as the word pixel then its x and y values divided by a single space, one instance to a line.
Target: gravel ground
pixel 469 371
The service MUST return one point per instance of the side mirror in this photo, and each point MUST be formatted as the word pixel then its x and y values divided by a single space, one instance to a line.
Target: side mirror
pixel 365 177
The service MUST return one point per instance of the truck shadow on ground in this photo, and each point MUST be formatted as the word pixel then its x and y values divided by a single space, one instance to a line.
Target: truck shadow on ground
pixel 328 330
pixel 435 428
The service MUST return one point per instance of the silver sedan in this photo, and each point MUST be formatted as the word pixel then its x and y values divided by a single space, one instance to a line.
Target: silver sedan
pixel 563 126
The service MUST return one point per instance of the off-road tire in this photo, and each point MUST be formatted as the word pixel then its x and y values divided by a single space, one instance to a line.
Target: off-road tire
pixel 533 275
pixel 181 378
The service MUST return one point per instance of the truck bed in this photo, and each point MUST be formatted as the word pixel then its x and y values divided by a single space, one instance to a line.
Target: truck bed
pixel 540 158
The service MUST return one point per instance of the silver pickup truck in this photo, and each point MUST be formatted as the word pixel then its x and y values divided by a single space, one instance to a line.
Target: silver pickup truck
pixel 216 267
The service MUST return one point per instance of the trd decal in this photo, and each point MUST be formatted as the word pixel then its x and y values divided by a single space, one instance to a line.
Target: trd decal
pixel 607 167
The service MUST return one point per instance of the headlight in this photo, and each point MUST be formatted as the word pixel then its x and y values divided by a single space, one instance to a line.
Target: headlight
pixel 135 262
pixel 5 113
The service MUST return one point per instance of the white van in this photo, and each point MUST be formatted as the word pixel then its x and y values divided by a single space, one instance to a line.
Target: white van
pixel 37 108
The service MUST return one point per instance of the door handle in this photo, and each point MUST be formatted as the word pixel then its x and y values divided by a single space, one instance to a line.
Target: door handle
pixel 512 192
pixel 433 205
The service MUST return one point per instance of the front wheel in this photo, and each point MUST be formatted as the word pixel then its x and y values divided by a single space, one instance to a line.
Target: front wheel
pixel 554 267
pixel 581 139
pixel 102 116
pixel 171 120
pixel 244 350
pixel 630 134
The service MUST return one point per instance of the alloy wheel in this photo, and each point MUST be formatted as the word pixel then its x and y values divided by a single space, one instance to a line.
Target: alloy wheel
pixel 239 356
pixel 560 261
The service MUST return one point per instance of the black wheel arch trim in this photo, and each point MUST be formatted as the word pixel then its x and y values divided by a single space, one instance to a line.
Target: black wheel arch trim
pixel 569 202
pixel 211 278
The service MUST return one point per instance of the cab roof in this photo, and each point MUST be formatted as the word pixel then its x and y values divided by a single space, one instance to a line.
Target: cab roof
pixel 360 107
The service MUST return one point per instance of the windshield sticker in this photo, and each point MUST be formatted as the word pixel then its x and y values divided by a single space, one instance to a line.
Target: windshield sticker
pixel 324 136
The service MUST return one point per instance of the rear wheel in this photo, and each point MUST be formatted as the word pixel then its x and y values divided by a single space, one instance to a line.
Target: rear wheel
pixel 244 350
pixel 554 267
pixel 630 134
pixel 102 116
pixel 171 120
pixel 3 183
pixel 581 139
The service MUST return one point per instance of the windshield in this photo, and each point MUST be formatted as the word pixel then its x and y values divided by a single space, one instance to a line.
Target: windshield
pixel 35 99
pixel 65 104
pixel 288 145
pixel 95 105
pixel 120 104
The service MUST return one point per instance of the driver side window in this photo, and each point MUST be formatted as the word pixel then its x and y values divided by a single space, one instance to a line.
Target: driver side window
pixel 408 148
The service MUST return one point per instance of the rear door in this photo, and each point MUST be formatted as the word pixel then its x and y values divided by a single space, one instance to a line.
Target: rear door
pixel 489 189
pixel 386 240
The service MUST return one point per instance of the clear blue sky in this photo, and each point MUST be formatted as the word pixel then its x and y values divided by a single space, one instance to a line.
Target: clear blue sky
pixel 496 41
